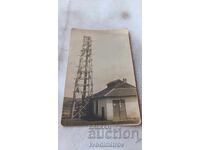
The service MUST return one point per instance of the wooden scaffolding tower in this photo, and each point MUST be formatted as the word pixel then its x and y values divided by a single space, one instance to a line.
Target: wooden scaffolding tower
pixel 83 86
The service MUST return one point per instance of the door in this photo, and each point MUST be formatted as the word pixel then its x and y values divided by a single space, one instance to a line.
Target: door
pixel 119 110
pixel 97 107
pixel 103 113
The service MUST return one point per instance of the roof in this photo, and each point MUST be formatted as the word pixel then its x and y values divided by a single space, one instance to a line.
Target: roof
pixel 122 92
pixel 119 83
pixel 117 88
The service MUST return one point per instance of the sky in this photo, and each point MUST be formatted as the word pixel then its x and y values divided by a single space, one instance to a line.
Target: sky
pixel 111 56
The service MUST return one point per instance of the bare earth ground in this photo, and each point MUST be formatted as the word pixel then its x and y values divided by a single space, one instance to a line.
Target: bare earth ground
pixel 73 122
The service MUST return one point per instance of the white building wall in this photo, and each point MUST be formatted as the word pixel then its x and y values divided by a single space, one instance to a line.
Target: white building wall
pixel 101 103
pixel 109 107
pixel 132 107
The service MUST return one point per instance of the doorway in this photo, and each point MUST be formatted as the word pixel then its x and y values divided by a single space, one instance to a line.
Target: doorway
pixel 103 113
pixel 119 110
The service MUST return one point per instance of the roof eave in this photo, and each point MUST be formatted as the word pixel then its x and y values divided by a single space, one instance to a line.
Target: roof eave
pixel 113 97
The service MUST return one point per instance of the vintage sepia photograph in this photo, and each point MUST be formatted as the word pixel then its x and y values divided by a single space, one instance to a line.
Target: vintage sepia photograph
pixel 100 86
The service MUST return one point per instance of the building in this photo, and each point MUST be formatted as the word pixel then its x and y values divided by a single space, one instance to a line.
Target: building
pixel 117 102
